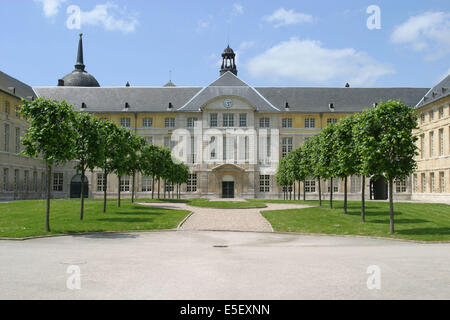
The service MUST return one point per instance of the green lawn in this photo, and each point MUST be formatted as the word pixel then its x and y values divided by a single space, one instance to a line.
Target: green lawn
pixel 20 219
pixel 206 203
pixel 415 221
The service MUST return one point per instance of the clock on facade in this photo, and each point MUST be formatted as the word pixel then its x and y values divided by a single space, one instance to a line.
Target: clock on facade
pixel 228 103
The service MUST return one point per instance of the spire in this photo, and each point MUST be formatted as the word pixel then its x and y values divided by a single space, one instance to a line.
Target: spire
pixel 228 61
pixel 80 63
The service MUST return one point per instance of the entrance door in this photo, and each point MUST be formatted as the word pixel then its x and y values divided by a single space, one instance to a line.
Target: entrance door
pixel 228 190
pixel 75 187
pixel 379 189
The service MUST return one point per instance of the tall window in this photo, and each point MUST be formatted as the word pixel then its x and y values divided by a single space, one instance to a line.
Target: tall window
pixel 192 183
pixel 212 144
pixel 441 142
pixel 264 183
pixel 242 120
pixel 125 122
pixel 147 122
pixel 5 179
pixel 169 187
pixel 422 118
pixel 310 186
pixel 355 184
pixel 442 182
pixel 423 183
pixel 192 122
pixel 441 112
pixel 58 182
pixel 213 120
pixel 43 181
pixel 169 122
pixel 264 122
pixel 286 123
pixel 125 184
pixel 310 123
pixel 431 144
pixel 331 121
pixel 422 146
pixel 6 107
pixel 17 111
pixel 26 180
pixel 336 183
pixel 431 115
pixel 6 137
pixel 228 119
pixel 149 140
pixel 416 184
pixel 169 143
pixel 147 184
pixel 17 147
pixel 16 179
pixel 35 181
pixel 101 182
pixel 432 182
pixel 400 186
pixel 286 146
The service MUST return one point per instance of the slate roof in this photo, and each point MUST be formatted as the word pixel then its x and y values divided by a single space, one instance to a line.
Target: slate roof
pixel 441 90
pixel 22 90
pixel 265 99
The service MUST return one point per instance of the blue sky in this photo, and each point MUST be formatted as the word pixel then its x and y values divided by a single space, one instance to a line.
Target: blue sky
pixel 279 43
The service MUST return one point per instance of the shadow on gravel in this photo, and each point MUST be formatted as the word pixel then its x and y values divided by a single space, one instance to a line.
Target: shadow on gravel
pixel 107 235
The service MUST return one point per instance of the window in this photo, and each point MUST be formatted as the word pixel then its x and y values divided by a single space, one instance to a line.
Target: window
pixel 213 120
pixel 147 183
pixel 6 137
pixel 431 144
pixel 400 186
pixel 286 146
pixel 228 120
pixel 169 187
pixel 125 184
pixel 168 143
pixel 192 122
pixel 125 122
pixel 355 184
pixel 441 142
pixel 441 112
pixel 331 121
pixel 6 107
pixel 149 140
pixel 336 183
pixel 17 149
pixel 212 144
pixel 58 182
pixel 422 118
pixel 422 146
pixel 242 120
pixel 287 189
pixel 442 182
pixel 17 111
pixel 310 186
pixel 193 153
pixel 16 179
pixel 169 123
pixel 431 115
pixel 5 179
pixel 310 123
pixel 432 182
pixel 35 181
pixel 26 180
pixel 423 183
pixel 264 183
pixel 192 183
pixel 286 123
pixel 147 122
pixel 416 184
pixel 101 182
pixel 43 181
pixel 264 123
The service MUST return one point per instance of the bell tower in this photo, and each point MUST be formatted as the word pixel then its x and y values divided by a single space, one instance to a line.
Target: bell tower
pixel 228 61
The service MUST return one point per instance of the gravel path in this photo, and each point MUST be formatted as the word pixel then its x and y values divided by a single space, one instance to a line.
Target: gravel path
pixel 212 219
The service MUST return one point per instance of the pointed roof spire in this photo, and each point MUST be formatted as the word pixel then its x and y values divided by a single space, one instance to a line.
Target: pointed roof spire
pixel 80 61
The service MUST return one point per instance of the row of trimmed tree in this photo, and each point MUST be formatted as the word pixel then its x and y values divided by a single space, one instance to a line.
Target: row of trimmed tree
pixel 375 143
pixel 59 135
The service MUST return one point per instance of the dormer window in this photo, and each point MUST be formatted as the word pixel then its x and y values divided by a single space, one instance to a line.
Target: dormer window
pixel 170 106
pixel 127 105
pixel 83 106
pixel 331 107
pixel 287 107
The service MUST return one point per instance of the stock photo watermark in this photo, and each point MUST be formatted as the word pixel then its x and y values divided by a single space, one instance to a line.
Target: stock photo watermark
pixel 374 279
pixel 374 20
pixel 74 279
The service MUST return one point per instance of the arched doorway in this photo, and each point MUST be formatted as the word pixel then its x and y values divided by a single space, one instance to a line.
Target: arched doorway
pixel 228 187
pixel 75 187
pixel 378 188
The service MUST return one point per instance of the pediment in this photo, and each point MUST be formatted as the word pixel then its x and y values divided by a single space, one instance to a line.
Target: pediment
pixel 228 167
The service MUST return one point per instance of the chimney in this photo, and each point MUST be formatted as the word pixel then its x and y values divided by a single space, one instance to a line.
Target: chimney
pixel 127 85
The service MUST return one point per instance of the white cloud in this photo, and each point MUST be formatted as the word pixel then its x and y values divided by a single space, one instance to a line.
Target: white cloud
pixel 204 24
pixel 283 17
pixel 308 61
pixel 50 7
pixel 111 17
pixel 428 32
pixel 238 8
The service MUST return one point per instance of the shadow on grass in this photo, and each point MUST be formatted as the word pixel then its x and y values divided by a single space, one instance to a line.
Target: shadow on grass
pixel 155 213
pixel 399 221
pixel 107 235
pixel 373 214
pixel 125 220
pixel 425 231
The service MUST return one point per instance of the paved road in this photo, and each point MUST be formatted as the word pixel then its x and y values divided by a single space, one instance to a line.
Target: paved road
pixel 186 265
pixel 212 219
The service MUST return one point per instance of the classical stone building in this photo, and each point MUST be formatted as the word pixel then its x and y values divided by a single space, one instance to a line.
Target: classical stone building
pixel 231 134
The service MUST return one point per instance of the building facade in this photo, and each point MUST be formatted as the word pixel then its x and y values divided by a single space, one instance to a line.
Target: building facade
pixel 232 135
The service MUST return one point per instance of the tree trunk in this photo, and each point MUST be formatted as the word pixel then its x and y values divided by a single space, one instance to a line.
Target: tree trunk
pixel 153 187
pixel 118 192
pixel 83 173
pixel 47 210
pixel 299 191
pixel 331 193
pixel 294 191
pixel 165 188
pixel 363 199
pixel 391 205
pixel 345 195
pixel 105 188
pixel 159 188
pixel 132 187
pixel 320 193
pixel 304 190
pixel 178 191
